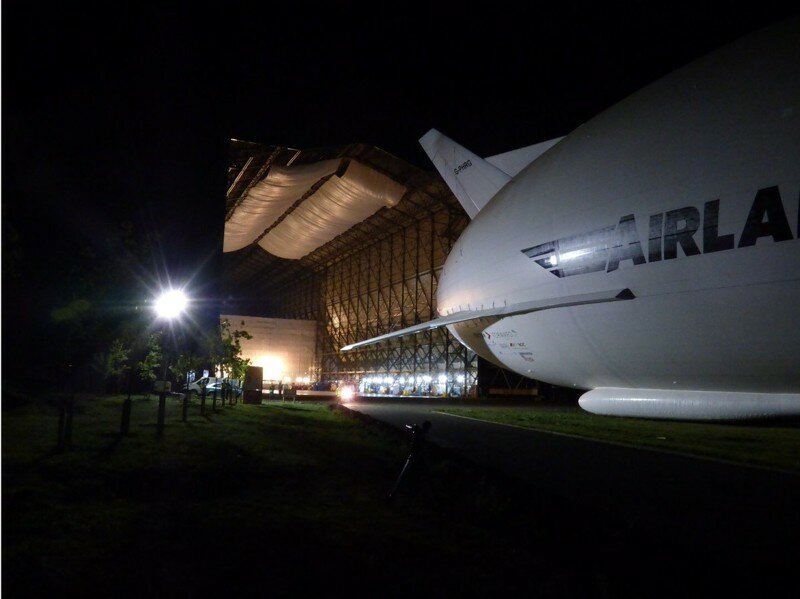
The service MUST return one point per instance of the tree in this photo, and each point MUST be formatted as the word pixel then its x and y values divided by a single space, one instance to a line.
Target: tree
pixel 226 350
pixel 71 321
pixel 110 365
pixel 152 361
pixel 91 296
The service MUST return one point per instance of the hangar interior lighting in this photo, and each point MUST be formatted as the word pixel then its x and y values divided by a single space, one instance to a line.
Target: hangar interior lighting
pixel 428 385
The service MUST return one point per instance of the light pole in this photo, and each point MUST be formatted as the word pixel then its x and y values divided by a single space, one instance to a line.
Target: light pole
pixel 169 306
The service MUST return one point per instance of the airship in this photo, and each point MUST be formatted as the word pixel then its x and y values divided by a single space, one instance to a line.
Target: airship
pixel 650 257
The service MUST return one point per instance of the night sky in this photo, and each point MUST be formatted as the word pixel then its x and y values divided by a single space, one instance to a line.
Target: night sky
pixel 125 113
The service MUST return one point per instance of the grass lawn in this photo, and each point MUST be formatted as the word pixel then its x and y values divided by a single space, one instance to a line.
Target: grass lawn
pixel 278 499
pixel 774 444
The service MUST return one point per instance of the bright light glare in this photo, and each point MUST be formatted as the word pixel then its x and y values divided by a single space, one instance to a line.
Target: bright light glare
pixel 347 393
pixel 273 366
pixel 171 303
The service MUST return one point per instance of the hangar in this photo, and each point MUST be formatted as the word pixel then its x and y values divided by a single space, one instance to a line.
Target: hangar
pixel 336 245
pixel 352 239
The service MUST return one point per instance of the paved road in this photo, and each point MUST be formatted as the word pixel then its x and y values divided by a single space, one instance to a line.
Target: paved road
pixel 741 515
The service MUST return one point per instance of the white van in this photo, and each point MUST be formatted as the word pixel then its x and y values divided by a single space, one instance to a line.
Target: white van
pixel 211 383
pixel 196 387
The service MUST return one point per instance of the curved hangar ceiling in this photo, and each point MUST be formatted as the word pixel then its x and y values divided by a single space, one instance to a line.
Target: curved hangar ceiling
pixel 294 210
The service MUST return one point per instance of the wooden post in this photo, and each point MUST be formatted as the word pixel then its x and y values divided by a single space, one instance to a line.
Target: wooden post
pixel 68 422
pixel 162 404
pixel 62 421
pixel 65 415
pixel 162 398
pixel 125 425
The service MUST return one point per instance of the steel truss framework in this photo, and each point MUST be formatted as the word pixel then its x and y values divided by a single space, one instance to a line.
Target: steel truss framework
pixel 379 276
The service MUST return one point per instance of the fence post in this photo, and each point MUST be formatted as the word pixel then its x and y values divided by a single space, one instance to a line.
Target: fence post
pixel 125 425
pixel 65 414
pixel 162 401
pixel 68 423
pixel 162 404
pixel 62 421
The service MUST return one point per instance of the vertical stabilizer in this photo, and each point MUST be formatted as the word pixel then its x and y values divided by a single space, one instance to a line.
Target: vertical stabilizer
pixel 514 161
pixel 472 179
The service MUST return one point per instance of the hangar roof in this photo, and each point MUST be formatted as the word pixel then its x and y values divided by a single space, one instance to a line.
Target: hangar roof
pixel 291 212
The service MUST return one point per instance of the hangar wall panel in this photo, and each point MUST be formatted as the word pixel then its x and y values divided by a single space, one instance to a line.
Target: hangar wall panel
pixel 283 347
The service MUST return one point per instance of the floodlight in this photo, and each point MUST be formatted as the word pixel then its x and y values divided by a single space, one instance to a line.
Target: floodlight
pixel 171 303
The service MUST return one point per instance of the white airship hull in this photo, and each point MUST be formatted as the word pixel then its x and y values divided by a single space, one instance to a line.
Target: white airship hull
pixel 661 341
pixel 653 252
pixel 687 193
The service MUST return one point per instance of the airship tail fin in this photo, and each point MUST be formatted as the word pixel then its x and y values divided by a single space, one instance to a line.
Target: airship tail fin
pixel 514 161
pixel 473 180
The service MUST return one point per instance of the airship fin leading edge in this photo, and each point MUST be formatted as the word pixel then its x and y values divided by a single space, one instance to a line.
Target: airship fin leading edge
pixel 512 163
pixel 473 180
pixel 502 312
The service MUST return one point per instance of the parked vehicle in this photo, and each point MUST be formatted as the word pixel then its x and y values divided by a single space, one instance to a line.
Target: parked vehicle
pixel 212 384
pixel 196 387
pixel 221 386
